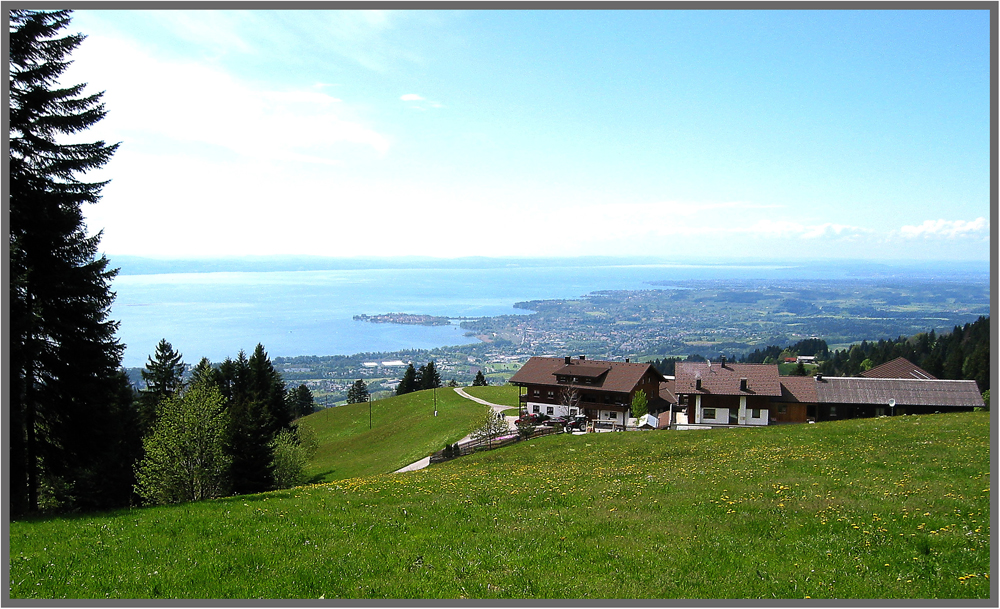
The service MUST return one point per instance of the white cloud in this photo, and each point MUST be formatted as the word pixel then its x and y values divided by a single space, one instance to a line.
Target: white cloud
pixel 422 103
pixel 949 229
pixel 194 103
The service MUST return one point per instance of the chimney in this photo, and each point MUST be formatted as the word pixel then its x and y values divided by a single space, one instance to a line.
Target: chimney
pixel 722 361
pixel 819 377
pixel 697 384
pixel 567 360
pixel 743 384
pixel 626 360
pixel 583 357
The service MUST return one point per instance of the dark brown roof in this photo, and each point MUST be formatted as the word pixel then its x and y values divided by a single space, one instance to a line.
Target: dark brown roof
pixel 716 379
pixel 906 392
pixel 589 371
pixel 667 392
pixel 899 368
pixel 798 389
pixel 619 377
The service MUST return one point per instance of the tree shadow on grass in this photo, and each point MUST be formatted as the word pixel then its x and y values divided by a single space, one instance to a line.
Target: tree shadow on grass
pixel 320 478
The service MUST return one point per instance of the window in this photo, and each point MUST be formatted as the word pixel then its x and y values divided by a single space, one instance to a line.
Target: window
pixel 534 409
pixel 755 413
pixel 612 415
pixel 708 413
pixel 782 409
pixel 552 394
pixel 549 410
pixel 572 412
pixel 538 392
pixel 833 411
pixel 880 411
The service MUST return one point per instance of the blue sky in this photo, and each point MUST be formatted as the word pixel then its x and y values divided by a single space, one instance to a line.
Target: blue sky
pixel 669 134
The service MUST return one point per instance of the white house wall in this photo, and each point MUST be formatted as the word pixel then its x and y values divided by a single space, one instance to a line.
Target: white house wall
pixel 558 410
pixel 721 416
pixel 613 415
pixel 761 420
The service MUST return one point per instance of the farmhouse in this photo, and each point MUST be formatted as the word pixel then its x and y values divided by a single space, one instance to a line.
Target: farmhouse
pixel 727 394
pixel 600 390
pixel 724 394
pixel 721 394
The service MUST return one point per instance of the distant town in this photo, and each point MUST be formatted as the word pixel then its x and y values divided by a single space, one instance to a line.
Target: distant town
pixel 702 318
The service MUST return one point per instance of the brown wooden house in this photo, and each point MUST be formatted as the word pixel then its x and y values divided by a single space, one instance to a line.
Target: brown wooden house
pixel 599 389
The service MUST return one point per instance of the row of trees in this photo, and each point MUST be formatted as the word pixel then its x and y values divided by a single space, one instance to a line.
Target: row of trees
pixel 774 354
pixel 427 377
pixel 228 430
pixel 964 353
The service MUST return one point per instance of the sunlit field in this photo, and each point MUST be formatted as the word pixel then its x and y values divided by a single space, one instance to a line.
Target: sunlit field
pixel 877 508
pixel 403 429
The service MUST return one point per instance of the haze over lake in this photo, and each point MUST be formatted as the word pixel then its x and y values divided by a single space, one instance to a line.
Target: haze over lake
pixel 309 312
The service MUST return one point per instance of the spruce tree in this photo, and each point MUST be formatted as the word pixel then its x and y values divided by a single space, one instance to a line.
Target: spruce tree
pixel 358 393
pixel 163 377
pixel 301 401
pixel 408 383
pixel 480 380
pixel 428 377
pixel 63 354
pixel 268 388
pixel 251 426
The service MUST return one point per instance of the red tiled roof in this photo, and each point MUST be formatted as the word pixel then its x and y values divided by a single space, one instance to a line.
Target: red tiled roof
pixel 798 389
pixel 899 368
pixel 620 377
pixel 906 392
pixel 719 379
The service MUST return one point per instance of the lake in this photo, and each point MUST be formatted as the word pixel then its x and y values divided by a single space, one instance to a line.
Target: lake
pixel 215 314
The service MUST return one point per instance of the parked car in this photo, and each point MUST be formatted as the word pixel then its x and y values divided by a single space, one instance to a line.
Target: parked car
pixel 557 422
pixel 532 419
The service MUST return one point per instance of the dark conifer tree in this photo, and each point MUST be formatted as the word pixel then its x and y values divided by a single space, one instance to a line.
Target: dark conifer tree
pixel 163 377
pixel 428 377
pixel 268 388
pixel 301 401
pixel 203 372
pixel 63 354
pixel 480 380
pixel 250 425
pixel 358 392
pixel 408 383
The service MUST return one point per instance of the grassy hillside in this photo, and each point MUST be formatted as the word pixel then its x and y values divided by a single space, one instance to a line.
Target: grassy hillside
pixel 877 508
pixel 499 394
pixel 403 430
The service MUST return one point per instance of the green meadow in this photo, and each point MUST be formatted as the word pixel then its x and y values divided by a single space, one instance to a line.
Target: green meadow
pixel 403 429
pixel 505 395
pixel 878 508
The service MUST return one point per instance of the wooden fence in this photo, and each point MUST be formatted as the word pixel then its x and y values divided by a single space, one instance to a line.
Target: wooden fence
pixel 471 446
